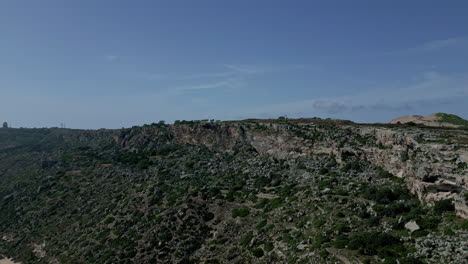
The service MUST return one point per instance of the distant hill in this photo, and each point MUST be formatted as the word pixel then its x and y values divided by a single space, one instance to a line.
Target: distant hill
pixel 437 120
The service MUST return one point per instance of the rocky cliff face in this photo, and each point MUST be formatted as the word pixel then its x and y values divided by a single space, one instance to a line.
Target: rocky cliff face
pixel 432 161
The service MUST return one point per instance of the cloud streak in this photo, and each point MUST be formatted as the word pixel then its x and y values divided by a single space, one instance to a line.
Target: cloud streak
pixel 430 46
pixel 228 83
pixel 250 69
pixel 235 76
pixel 111 57
pixel 438 44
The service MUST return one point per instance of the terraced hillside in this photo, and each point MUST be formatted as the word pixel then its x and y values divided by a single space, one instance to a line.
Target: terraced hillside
pixel 253 191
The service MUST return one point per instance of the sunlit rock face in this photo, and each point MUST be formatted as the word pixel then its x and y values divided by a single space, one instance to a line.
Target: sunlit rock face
pixel 433 168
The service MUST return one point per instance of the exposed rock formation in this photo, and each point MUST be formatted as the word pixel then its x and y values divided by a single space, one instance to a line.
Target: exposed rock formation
pixel 434 169
pixel 412 226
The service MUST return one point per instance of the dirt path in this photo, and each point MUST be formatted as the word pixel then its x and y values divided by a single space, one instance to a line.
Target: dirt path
pixel 267 196
pixel 8 261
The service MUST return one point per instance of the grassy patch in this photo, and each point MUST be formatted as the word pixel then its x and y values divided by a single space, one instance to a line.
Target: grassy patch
pixel 452 119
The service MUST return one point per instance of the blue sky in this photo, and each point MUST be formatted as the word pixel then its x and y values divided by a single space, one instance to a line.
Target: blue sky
pixel 112 64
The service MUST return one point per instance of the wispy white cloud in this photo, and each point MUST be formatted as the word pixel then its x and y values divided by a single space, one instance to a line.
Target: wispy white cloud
pixel 328 106
pixel 206 75
pixel 228 83
pixel 154 76
pixel 230 71
pixel 438 44
pixel 234 76
pixel 260 69
pixel 111 57
pixel 430 46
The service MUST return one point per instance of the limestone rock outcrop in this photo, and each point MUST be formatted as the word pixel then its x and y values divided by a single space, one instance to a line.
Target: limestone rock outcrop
pixel 433 165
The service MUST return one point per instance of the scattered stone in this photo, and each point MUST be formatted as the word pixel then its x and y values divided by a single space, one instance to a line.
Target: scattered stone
pixel 412 226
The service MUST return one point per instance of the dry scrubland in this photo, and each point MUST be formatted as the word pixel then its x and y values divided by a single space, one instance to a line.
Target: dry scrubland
pixel 252 191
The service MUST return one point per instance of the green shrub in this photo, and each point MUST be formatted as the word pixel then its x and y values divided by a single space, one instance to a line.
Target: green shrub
pixel 420 233
pixel 384 195
pixel 369 243
pixel 320 240
pixel 464 225
pixel 240 212
pixel 301 166
pixel 275 182
pixel 381 172
pixel 319 222
pixel 261 182
pixel 415 214
pixel 402 260
pixel 448 231
pixel 324 254
pixel 109 220
pixel 268 246
pixel 340 242
pixel 342 228
pixel 452 119
pixel 261 203
pixel 462 165
pixel 340 215
pixel 323 171
pixel 326 183
pixel 354 165
pixel 208 216
pixel 275 203
pixel 257 252
pixel 444 206
pixel 261 224
pixel 404 156
pixel 395 209
pixel 373 221
pixel 245 240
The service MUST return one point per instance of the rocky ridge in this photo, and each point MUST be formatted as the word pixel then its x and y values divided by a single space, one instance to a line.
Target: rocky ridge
pixel 433 166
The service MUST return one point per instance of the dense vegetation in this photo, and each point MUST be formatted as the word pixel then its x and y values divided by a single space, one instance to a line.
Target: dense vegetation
pixel 452 119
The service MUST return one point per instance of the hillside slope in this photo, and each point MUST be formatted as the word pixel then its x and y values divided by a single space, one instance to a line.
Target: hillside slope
pixel 255 191
pixel 434 120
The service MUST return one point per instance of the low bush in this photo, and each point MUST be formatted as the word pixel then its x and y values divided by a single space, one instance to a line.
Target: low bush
pixel 323 171
pixel 340 242
pixel 444 206
pixel 319 241
pixel 245 240
pixel 240 212
pixel 257 252
pixel 268 246
pixel 385 195
pixel 261 224
pixel 464 225
pixel 370 243
pixel 354 165
pixel 381 172
pixel 275 203
pixel 208 216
